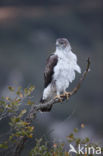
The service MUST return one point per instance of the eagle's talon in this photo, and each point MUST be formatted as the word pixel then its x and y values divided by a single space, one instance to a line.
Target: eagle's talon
pixel 59 98
pixel 66 94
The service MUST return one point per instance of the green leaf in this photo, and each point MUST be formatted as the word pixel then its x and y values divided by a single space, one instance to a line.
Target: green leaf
pixel 11 88
pixel 71 136
pixel 78 140
pixel 22 113
pixel 3 146
pixel 75 130
pixel 28 91
pixel 30 102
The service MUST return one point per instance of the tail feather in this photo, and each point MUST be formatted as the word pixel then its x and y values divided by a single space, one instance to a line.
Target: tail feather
pixel 42 101
pixel 48 109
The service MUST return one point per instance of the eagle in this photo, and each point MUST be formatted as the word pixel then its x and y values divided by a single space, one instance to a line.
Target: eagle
pixel 59 71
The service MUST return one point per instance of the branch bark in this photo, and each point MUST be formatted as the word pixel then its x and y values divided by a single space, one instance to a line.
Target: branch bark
pixel 32 114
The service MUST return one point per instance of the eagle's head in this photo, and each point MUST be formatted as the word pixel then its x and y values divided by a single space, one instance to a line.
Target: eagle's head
pixel 62 43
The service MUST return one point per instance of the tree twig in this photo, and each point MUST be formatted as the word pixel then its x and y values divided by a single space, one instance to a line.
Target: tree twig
pixel 32 114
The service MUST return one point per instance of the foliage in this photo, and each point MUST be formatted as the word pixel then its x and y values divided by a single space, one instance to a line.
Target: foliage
pixel 10 106
pixel 58 149
pixel 13 109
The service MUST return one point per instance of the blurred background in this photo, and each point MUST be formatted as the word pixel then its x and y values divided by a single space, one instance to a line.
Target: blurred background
pixel 28 30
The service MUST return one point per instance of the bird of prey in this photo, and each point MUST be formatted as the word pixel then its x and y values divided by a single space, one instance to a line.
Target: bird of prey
pixel 59 71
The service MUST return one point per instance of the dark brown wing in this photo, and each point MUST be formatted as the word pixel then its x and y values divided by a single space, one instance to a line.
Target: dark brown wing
pixel 49 69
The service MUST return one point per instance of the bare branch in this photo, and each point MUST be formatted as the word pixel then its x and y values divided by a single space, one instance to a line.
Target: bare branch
pixel 32 114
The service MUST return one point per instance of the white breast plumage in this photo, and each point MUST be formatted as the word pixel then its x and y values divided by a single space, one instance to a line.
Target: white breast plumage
pixel 63 74
pixel 64 71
